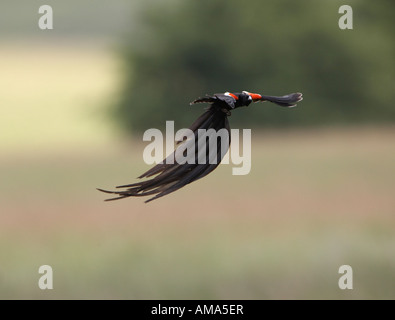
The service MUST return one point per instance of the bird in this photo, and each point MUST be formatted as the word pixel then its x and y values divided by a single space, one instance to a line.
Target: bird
pixel 169 176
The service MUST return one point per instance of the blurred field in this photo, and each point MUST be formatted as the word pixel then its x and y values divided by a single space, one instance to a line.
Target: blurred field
pixel 54 94
pixel 315 199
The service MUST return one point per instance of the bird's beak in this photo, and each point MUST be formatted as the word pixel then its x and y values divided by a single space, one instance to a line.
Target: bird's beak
pixel 255 96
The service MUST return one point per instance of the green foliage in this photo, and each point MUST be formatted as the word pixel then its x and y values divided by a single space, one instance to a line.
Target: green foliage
pixel 184 49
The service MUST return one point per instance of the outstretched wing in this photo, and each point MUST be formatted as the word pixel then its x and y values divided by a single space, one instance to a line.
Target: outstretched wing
pixel 168 177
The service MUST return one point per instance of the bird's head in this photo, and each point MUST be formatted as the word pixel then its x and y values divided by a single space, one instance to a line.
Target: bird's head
pixel 247 97
pixel 254 97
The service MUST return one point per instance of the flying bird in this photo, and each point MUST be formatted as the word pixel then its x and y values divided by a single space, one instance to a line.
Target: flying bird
pixel 169 176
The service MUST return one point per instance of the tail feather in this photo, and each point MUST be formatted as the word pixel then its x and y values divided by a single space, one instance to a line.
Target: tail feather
pixel 166 177
pixel 289 100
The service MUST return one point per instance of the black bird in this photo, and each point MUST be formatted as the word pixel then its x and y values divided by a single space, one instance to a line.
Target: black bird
pixel 170 176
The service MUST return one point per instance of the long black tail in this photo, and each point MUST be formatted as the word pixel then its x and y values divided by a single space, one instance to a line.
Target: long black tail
pixel 289 100
pixel 169 177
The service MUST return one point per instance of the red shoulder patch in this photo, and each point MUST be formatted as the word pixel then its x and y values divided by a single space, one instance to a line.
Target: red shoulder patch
pixel 232 95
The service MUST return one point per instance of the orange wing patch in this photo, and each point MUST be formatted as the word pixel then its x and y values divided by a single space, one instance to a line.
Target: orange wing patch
pixel 232 95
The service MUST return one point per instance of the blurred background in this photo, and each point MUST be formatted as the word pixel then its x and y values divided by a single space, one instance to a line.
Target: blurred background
pixel 74 101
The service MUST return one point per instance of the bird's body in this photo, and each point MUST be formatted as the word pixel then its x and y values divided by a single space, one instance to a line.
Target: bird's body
pixel 170 176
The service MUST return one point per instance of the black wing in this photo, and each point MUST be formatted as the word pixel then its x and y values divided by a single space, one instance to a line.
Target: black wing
pixel 171 177
pixel 223 99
